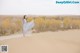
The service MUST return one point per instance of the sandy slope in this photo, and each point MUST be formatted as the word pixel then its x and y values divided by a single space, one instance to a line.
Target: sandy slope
pixel 46 42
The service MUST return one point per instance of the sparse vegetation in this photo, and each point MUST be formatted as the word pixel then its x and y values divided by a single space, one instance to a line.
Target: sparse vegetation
pixel 51 23
pixel 10 25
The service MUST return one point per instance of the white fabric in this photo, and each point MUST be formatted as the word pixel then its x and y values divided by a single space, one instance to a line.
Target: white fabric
pixel 27 26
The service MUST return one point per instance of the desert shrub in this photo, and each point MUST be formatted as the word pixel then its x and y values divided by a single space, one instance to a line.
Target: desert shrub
pixel 47 24
pixel 53 24
pixel 10 26
pixel 39 24
pixel 56 24
pixel 19 24
pixel 29 19
pixel 67 23
pixel 76 24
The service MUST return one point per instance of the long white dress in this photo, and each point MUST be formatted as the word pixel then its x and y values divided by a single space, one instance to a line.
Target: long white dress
pixel 27 26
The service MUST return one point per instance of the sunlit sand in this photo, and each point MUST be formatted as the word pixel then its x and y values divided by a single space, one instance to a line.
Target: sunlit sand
pixel 45 42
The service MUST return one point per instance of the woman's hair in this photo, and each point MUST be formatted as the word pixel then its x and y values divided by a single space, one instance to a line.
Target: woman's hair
pixel 24 16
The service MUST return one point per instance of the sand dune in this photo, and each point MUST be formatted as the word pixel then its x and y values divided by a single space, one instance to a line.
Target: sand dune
pixel 46 42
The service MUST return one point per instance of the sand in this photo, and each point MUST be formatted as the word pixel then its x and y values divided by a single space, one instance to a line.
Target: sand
pixel 45 42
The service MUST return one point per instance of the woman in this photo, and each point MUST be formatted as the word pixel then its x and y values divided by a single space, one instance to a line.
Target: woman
pixel 24 23
pixel 27 25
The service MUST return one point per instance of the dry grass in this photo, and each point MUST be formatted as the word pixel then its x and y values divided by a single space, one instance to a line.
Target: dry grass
pixel 10 25
pixel 13 24
pixel 55 23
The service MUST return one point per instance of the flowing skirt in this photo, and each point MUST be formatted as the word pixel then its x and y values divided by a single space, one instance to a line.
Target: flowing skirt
pixel 28 26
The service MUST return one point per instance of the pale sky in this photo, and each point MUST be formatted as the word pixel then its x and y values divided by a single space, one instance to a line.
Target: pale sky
pixel 37 7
